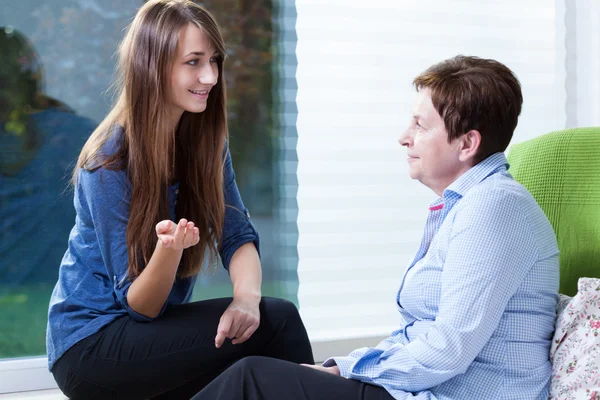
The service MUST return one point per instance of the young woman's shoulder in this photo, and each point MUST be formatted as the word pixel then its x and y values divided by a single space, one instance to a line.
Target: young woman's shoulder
pixel 109 149
pixel 105 169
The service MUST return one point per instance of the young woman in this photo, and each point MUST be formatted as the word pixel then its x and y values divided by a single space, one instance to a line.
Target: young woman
pixel 156 200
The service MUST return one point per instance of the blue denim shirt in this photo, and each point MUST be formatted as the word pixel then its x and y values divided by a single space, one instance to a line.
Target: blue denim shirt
pixel 92 286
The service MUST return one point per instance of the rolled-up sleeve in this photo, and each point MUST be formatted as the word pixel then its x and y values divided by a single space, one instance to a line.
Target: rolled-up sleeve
pixel 237 228
pixel 104 195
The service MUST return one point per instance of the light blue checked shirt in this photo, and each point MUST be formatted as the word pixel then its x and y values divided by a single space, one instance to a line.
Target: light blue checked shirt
pixel 477 303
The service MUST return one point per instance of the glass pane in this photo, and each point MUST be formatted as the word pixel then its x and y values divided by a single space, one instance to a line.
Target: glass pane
pixel 57 64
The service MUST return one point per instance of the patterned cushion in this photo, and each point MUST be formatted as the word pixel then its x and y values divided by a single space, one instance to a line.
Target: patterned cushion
pixel 575 350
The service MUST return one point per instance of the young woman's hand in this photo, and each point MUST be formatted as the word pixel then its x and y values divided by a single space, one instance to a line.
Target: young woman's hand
pixel 177 236
pixel 239 321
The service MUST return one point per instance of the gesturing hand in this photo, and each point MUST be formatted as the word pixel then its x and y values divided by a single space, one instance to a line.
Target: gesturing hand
pixel 177 236
pixel 239 321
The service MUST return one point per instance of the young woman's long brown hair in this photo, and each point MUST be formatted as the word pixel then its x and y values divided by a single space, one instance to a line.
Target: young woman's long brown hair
pixel 152 154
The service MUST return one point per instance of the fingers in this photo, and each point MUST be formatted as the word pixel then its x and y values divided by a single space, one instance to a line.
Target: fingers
pixel 330 370
pixel 223 329
pixel 238 326
pixel 165 240
pixel 177 236
pixel 237 333
pixel 317 367
pixel 164 230
pixel 163 227
pixel 235 325
pixel 186 234
pixel 245 335
pixel 192 236
pixel 195 236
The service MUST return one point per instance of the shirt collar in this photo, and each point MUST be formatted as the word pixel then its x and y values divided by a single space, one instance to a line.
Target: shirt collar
pixel 477 174
pixel 472 177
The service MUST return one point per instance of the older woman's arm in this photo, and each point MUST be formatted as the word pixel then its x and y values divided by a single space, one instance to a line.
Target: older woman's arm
pixel 491 250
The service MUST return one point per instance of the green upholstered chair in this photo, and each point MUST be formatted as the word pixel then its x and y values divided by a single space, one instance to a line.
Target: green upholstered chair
pixel 562 171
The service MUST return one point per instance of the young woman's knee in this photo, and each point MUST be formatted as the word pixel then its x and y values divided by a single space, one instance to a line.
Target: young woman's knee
pixel 280 309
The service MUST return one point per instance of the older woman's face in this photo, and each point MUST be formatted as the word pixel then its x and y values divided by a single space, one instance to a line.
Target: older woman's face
pixel 431 159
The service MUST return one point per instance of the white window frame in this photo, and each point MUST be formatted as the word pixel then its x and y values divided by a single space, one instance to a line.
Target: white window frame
pixel 582 48
pixel 25 374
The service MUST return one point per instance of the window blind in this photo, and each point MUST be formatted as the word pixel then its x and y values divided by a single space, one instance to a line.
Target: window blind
pixel 360 217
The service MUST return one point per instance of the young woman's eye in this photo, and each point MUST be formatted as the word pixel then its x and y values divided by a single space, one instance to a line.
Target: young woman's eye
pixel 192 62
pixel 214 59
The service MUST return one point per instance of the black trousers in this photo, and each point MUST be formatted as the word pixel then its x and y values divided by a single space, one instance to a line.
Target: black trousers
pixel 262 378
pixel 174 356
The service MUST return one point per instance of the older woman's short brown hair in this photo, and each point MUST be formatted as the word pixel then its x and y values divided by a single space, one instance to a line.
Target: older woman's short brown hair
pixel 475 93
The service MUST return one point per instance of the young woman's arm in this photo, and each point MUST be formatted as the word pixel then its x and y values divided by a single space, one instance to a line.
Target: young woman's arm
pixel 242 317
pixel 149 291
pixel 240 255
pixel 246 273
pixel 102 199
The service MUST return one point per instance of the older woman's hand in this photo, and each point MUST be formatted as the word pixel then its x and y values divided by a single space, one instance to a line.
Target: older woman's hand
pixel 335 370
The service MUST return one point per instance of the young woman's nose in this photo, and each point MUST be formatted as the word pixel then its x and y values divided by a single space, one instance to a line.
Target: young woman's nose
pixel 208 75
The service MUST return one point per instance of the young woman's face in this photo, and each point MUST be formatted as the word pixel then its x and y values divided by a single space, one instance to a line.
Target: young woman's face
pixel 195 72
